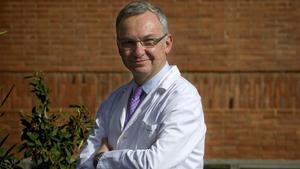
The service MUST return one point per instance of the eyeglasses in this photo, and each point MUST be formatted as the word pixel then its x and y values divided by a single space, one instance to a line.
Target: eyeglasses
pixel 147 43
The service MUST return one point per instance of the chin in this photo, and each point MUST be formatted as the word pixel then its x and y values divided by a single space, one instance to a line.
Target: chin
pixel 140 71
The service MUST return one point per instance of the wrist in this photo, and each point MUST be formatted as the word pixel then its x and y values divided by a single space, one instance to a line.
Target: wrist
pixel 97 157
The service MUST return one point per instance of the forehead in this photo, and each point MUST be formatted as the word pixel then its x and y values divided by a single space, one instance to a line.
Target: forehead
pixel 145 23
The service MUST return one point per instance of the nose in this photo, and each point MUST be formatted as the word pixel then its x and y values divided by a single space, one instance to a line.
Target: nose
pixel 139 49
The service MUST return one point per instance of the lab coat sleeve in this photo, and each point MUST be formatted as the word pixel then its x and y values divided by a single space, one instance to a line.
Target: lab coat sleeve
pixel 181 129
pixel 93 143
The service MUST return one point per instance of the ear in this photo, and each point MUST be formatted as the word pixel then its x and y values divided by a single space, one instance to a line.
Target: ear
pixel 119 49
pixel 168 44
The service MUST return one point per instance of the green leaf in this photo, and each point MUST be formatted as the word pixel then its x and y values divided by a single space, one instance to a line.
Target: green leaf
pixel 3 140
pixel 26 123
pixel 3 32
pixel 32 136
pixel 21 147
pixel 5 98
pixel 9 150
pixel 2 151
pixel 27 154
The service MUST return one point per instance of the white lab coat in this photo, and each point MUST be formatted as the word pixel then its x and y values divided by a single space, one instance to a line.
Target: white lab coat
pixel 166 131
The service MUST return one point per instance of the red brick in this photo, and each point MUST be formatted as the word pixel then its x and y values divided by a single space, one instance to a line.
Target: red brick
pixel 243 57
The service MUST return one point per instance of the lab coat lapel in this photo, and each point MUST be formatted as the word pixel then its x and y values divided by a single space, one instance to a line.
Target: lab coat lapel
pixel 124 103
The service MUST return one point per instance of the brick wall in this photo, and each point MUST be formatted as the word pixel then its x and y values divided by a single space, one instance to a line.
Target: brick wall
pixel 242 55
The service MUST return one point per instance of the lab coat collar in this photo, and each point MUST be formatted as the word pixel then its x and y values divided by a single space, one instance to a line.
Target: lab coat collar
pixel 169 78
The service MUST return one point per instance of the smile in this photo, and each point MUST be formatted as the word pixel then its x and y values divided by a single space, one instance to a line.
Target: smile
pixel 138 61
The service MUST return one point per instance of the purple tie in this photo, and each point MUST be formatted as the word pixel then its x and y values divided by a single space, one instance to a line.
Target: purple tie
pixel 133 103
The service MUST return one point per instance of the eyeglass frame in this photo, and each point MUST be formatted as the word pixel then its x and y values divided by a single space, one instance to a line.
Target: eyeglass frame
pixel 142 42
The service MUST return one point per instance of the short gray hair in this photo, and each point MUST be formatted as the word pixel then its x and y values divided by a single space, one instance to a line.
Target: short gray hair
pixel 140 7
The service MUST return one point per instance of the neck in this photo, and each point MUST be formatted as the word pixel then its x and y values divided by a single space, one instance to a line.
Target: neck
pixel 140 80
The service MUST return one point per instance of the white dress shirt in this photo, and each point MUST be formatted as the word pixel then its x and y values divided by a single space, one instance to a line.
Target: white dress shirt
pixel 167 130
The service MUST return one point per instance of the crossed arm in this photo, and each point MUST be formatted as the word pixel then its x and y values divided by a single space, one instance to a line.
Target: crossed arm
pixel 178 136
pixel 182 130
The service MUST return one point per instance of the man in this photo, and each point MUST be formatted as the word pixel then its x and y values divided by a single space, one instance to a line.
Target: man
pixel 156 120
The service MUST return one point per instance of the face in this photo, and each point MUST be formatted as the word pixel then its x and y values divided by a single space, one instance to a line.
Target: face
pixel 143 62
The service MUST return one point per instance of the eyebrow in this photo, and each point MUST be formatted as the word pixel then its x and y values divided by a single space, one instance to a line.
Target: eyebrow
pixel 149 36
pixel 145 37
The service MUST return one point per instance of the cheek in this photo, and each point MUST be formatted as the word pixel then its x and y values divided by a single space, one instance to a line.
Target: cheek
pixel 124 58
pixel 152 53
pixel 124 54
pixel 156 53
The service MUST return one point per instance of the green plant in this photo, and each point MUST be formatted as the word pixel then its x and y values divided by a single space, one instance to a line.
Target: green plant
pixel 2 32
pixel 7 159
pixel 5 98
pixel 48 143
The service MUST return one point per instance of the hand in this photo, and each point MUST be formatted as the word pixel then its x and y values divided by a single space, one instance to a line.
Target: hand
pixel 104 146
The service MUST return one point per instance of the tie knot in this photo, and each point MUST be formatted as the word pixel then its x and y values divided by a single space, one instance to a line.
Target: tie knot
pixel 137 93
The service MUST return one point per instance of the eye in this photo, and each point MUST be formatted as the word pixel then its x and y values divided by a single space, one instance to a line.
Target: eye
pixel 149 42
pixel 127 43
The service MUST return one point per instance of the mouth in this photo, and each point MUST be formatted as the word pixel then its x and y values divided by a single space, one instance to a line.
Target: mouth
pixel 140 61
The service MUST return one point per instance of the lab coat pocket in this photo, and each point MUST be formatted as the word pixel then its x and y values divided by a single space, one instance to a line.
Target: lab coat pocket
pixel 147 134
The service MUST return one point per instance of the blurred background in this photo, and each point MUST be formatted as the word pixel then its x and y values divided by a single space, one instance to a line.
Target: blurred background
pixel 242 55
